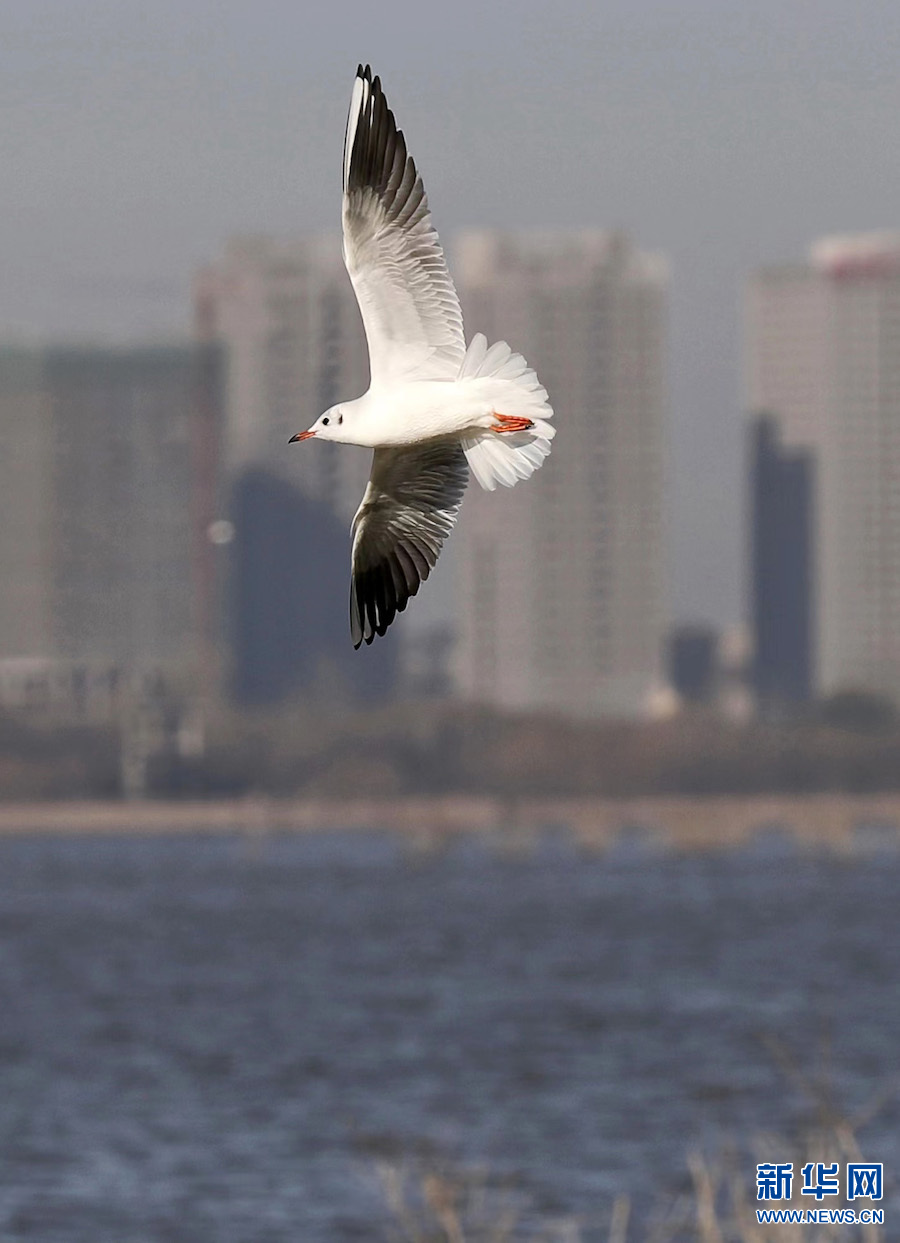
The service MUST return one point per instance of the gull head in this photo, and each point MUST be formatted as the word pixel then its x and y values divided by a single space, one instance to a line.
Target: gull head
pixel 329 426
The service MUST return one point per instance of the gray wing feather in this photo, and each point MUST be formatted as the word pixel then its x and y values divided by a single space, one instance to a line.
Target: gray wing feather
pixel 409 509
pixel 406 296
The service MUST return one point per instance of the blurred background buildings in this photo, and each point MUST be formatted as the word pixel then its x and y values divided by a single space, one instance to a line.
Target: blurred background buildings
pixel 572 574
pixel 99 509
pixel 781 567
pixel 823 358
pixel 161 545
pixel 561 593
pixel 285 317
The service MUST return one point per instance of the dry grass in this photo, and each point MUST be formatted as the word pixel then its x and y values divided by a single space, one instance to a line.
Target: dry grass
pixel 460 1206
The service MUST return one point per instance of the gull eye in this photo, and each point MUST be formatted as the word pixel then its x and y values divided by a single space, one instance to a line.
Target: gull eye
pixel 324 422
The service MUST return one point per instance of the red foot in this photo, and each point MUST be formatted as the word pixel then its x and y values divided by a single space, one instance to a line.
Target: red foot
pixel 509 423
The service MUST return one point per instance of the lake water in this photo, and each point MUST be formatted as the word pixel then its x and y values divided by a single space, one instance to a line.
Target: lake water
pixel 210 1039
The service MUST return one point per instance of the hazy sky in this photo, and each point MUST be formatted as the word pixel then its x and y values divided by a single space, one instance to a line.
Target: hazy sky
pixel 136 137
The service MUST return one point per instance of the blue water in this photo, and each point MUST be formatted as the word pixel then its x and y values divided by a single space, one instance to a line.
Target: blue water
pixel 210 1039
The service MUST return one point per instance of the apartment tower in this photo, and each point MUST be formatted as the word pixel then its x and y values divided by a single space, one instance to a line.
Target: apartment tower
pixel 560 600
pixel 823 357
pixel 286 315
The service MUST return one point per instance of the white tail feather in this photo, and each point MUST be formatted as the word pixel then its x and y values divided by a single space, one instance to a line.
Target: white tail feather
pixel 506 457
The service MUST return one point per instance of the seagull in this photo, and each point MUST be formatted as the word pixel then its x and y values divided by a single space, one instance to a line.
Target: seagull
pixel 434 409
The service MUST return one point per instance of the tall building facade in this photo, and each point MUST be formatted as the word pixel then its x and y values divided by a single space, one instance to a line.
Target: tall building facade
pixel 781 568
pixel 560 602
pixel 823 355
pixel 26 449
pixel 286 316
pixel 101 524
pixel 121 535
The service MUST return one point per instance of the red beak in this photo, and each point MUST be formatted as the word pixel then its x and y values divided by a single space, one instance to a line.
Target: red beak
pixel 301 436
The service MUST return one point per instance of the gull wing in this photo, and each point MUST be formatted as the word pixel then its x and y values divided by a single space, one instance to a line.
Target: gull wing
pixel 408 510
pixel 408 302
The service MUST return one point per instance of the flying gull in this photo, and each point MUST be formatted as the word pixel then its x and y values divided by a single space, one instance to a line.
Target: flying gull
pixel 434 409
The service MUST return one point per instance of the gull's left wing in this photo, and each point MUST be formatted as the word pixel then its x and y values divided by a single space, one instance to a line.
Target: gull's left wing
pixel 408 510
pixel 408 302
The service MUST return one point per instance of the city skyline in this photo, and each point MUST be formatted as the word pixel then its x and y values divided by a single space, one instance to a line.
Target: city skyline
pixel 723 137
pixel 821 348
pixel 577 560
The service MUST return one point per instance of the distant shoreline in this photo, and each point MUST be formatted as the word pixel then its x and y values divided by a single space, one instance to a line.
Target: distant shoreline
pixel 836 821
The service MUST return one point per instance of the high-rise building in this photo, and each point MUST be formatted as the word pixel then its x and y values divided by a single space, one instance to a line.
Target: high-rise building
pixel 121 532
pixel 823 356
pixel 561 580
pixel 26 449
pixel 286 315
pixel 781 569
pixel 101 523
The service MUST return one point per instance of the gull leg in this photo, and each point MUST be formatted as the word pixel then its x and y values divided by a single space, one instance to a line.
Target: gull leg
pixel 509 423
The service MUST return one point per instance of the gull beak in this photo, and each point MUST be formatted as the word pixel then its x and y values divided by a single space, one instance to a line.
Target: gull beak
pixel 301 436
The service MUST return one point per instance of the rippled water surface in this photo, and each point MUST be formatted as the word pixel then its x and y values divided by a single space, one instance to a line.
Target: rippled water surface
pixel 205 1039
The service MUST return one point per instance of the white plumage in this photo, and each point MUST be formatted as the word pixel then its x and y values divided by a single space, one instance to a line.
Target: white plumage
pixel 433 409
